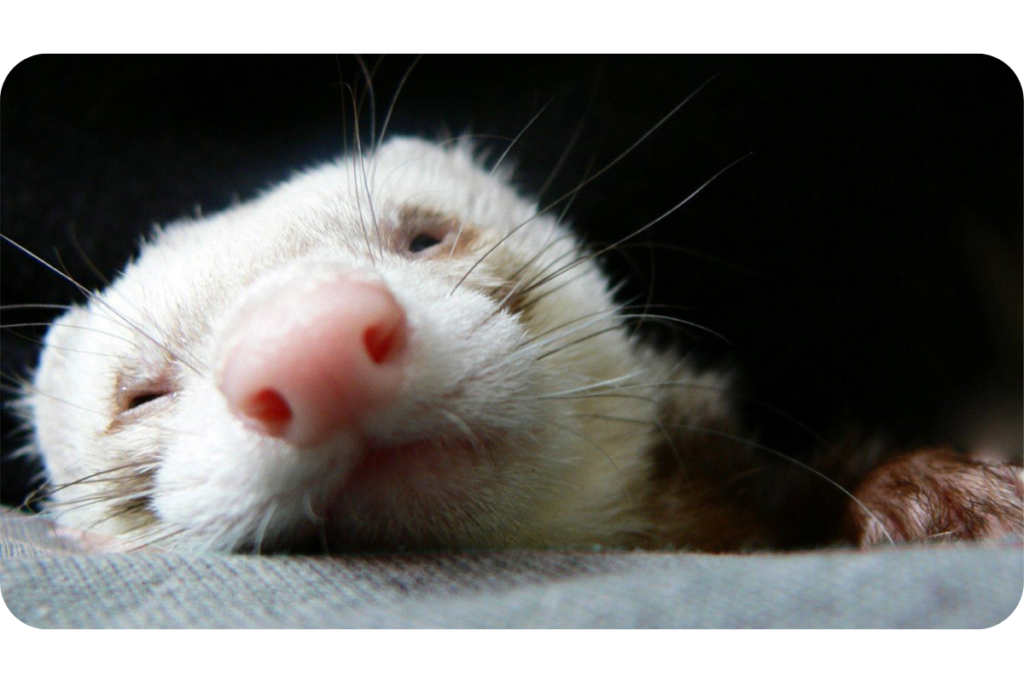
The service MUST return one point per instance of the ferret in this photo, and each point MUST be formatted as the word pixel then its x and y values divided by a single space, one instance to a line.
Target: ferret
pixel 397 351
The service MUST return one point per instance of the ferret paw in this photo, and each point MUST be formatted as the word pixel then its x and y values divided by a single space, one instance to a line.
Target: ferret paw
pixel 938 496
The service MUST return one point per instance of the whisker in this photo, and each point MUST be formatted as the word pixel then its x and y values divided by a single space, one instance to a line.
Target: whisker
pixel 760 447
pixel 655 422
pixel 491 173
pixel 97 314
pixel 608 457
pixel 369 90
pixel 57 307
pixel 607 312
pixel 108 497
pixel 97 300
pixel 589 180
pixel 94 477
pixel 575 193
pixel 23 387
pixel 582 323
pixel 45 345
pixel 361 169
pixel 665 246
pixel 575 391
pixel 12 326
pixel 572 142
pixel 793 461
pixel 76 243
pixel 522 284
pixel 463 427
pixel 344 117
pixel 47 488
pixel 394 99
pixel 596 254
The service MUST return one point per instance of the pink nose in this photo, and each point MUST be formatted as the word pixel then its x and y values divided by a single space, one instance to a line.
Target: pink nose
pixel 310 362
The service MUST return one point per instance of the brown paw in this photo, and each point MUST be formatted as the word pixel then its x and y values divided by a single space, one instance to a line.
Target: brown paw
pixel 937 496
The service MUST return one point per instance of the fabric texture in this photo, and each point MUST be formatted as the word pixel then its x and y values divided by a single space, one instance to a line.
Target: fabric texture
pixel 51 581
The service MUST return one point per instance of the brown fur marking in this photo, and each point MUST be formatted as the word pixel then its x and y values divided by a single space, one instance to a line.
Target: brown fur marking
pixel 937 495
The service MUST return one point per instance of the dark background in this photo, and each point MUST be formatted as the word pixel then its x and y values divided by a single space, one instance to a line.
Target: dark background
pixel 864 262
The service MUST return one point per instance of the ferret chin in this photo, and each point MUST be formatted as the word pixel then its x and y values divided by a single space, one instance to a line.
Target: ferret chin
pixel 398 351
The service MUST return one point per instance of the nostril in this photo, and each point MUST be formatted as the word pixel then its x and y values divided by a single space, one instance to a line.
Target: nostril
pixel 380 341
pixel 305 363
pixel 269 409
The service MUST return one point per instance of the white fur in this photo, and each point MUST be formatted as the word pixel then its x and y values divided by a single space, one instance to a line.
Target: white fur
pixel 549 476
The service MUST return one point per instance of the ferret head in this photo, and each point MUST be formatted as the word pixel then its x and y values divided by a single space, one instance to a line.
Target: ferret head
pixel 389 351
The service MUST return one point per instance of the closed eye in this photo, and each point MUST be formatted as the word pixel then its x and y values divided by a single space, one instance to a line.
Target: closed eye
pixel 134 395
pixel 138 403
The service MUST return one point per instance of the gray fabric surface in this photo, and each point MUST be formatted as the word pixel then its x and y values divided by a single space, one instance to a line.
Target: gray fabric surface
pixel 51 582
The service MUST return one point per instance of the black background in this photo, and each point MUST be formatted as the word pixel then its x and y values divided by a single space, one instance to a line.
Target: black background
pixel 864 262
